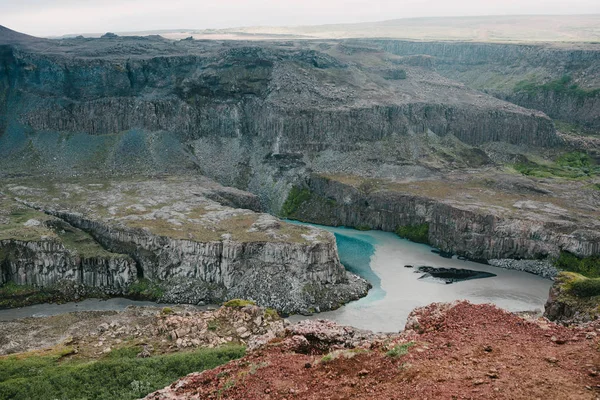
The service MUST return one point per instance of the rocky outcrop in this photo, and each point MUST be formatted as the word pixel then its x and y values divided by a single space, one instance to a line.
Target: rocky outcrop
pixel 478 233
pixel 542 268
pixel 230 108
pixel 497 68
pixel 290 277
pixel 45 263
pixel 564 306
pixel 461 344
pixel 199 251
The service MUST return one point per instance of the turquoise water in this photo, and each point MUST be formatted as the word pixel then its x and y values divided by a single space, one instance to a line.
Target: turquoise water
pixel 355 254
pixel 380 257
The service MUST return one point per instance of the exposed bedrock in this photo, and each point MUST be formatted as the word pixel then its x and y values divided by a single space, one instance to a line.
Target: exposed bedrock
pixel 61 112
pixel 498 68
pixel 291 277
pixel 473 232
pixel 47 262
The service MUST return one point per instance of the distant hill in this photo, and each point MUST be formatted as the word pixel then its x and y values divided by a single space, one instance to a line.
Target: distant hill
pixel 8 36
pixel 515 29
pixel 525 28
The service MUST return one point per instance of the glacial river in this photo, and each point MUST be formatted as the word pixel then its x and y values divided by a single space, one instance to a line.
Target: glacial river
pixel 380 258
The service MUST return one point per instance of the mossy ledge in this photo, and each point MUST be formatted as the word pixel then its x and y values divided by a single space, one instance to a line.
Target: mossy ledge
pixel 573 298
pixel 417 233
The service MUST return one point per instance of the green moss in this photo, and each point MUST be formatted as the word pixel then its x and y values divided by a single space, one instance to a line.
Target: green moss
pixel 399 350
pixel 81 242
pixel 588 287
pixel 294 200
pixel 271 313
pixel 363 227
pixel 564 85
pixel 586 266
pixel 13 295
pixel 213 325
pixel 166 311
pixel 145 289
pixel 416 233
pixel 117 376
pixel 239 303
pixel 574 165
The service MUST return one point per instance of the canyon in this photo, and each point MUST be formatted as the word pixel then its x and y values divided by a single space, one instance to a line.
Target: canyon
pixel 162 153
pixel 191 170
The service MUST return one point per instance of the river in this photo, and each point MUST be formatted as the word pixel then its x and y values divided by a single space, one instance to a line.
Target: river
pixel 380 257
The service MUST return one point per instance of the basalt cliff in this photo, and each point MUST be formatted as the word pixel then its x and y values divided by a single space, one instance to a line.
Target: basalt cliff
pixel 119 142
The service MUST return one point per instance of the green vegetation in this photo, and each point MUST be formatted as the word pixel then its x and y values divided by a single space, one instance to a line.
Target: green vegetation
pixel 167 311
pixel 145 289
pixel 363 228
pixel 564 85
pixel 294 200
pixel 399 350
pixel 118 376
pixel 587 287
pixel 80 242
pixel 13 295
pixel 334 355
pixel 574 165
pixel 271 313
pixel 213 325
pixel 327 358
pixel 239 303
pixel 586 266
pixel 417 233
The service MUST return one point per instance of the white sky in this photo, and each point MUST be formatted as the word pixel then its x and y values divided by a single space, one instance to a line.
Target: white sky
pixel 58 17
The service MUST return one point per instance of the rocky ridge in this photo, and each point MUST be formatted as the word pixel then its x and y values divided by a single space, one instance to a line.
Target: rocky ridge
pixel 194 248
pixel 465 215
pixel 447 350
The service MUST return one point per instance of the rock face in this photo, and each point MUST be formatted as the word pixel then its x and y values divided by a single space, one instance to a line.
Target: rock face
pixel 468 228
pixel 38 250
pixel 254 116
pixel 196 249
pixel 567 308
pixel 497 68
pixel 46 263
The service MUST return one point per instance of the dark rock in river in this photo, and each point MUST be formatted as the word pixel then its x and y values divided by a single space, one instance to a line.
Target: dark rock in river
pixel 451 275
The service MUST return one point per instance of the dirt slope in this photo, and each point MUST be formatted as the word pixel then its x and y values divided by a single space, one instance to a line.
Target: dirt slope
pixel 458 351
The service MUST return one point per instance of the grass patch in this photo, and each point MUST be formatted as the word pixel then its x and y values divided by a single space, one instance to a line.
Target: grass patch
pixel 294 200
pixel 145 289
pixel 13 295
pixel 564 85
pixel 416 233
pixel 212 325
pixel 239 303
pixel 271 313
pixel 399 350
pixel 586 266
pixel 588 287
pixel 118 376
pixel 574 165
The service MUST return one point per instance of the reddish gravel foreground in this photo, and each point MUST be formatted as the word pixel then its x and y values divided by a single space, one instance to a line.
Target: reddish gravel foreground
pixel 460 351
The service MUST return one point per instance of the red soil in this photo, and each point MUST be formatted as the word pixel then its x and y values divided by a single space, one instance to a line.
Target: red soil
pixel 463 351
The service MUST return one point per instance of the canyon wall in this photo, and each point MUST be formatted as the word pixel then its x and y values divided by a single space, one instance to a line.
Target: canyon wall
pixel 474 233
pixel 80 112
pixel 499 68
pixel 45 263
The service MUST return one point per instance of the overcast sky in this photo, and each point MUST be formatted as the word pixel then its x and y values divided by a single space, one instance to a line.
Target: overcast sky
pixel 58 17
